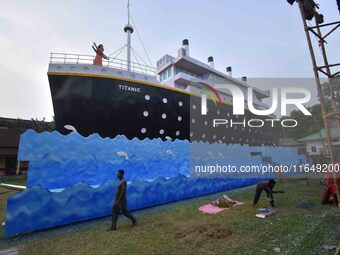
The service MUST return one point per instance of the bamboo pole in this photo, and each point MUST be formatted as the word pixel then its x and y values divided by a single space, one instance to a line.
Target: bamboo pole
pixel 320 94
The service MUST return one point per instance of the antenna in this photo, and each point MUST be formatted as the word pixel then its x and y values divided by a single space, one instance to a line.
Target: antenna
pixel 128 10
pixel 128 29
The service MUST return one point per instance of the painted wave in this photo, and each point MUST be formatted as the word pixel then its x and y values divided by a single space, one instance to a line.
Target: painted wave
pixel 38 208
pixel 157 171
pixel 58 161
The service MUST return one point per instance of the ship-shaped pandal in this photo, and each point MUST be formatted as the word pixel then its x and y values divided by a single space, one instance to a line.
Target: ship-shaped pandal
pixel 122 97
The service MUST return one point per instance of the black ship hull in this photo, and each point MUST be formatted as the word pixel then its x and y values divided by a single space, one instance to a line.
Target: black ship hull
pixel 112 106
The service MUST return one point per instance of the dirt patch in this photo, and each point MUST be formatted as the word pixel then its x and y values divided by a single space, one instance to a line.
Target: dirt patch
pixel 204 233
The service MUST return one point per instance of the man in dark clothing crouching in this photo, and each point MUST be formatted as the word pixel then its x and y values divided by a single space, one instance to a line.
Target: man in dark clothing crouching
pixel 268 188
pixel 119 205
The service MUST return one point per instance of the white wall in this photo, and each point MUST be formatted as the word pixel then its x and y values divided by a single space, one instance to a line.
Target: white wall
pixel 319 146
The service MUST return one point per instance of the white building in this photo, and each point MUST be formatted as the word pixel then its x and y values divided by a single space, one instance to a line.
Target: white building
pixel 316 144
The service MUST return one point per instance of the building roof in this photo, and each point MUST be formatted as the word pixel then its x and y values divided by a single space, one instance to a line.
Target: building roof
pixel 289 142
pixel 7 123
pixel 335 133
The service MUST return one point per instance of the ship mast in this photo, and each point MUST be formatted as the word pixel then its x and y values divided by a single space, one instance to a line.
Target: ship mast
pixel 128 29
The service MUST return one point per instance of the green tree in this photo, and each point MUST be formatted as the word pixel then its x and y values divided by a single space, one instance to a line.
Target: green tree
pixel 326 91
pixel 306 124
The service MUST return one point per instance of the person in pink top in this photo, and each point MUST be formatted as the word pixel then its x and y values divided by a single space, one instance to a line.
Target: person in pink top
pixel 99 50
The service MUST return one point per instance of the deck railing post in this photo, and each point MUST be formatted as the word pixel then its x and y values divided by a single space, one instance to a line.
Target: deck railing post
pixel 114 62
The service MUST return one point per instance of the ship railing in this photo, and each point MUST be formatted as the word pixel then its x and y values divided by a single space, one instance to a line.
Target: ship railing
pixel 68 58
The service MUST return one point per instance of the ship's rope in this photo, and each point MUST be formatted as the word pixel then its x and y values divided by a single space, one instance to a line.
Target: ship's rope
pixel 120 51
pixel 139 56
pixel 141 41
pixel 140 66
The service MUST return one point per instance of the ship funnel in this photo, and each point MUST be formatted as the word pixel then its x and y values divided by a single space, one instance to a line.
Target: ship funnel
pixel 244 78
pixel 229 71
pixel 185 44
pixel 211 62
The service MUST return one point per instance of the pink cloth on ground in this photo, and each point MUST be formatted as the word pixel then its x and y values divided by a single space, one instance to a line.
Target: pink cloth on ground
pixel 212 209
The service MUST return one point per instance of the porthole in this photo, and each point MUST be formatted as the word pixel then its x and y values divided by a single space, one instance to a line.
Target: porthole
pixel 203 136
pixel 132 75
pixel 177 133
pixel 163 116
pixel 143 130
pixel 180 103
pixel 161 131
pixel 191 134
pixel 147 97
pixel 59 67
pixel 194 107
pixel 214 137
pixel 165 100
pixel 146 113
pixel 218 112
pixel 193 120
pixel 103 70
pixel 72 68
pixel 206 123
pixel 179 118
pixel 86 68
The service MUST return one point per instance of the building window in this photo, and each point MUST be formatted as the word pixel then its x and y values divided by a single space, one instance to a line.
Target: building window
pixel 169 70
pixel 313 148
pixel 167 73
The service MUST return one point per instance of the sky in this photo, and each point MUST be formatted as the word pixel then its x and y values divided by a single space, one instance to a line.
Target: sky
pixel 259 39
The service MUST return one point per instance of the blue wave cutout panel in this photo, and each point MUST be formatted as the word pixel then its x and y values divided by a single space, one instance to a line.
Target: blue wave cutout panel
pixel 38 208
pixel 157 171
pixel 58 161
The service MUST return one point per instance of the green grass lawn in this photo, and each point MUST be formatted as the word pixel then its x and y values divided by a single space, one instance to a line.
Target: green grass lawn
pixel 178 228
pixel 5 193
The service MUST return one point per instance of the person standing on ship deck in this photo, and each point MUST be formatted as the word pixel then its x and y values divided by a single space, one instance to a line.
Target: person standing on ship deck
pixel 99 50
